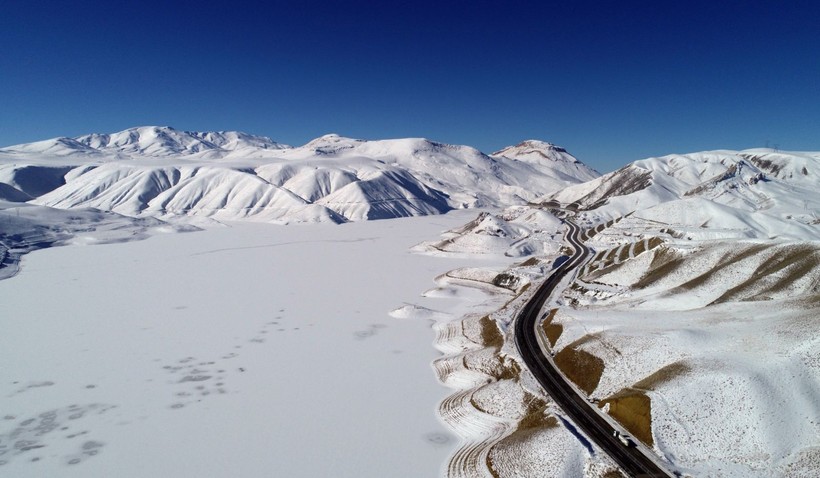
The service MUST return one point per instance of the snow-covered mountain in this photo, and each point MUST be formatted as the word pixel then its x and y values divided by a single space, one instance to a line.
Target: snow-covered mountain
pixel 754 193
pixel 550 159
pixel 148 141
pixel 163 172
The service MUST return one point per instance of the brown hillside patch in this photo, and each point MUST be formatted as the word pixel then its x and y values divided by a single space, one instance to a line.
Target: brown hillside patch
pixel 593 231
pixel 665 374
pixel 640 247
pixel 664 262
pixel 647 245
pixel 624 254
pixel 552 331
pixel 766 164
pixel 632 409
pixel 655 242
pixel 596 274
pixel 580 366
pixel 532 261
pixel 490 335
pixel 497 367
pixel 729 259
pixel 607 259
pixel 550 316
pixel 535 416
pixel 792 264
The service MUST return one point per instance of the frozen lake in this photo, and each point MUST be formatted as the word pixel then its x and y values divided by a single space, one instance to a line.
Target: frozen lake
pixel 253 350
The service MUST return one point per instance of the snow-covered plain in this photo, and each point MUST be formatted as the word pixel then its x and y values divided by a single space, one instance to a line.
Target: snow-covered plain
pixel 249 350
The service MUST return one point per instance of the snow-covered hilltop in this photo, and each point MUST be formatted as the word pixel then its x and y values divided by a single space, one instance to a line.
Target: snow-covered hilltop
pixel 553 160
pixel 164 172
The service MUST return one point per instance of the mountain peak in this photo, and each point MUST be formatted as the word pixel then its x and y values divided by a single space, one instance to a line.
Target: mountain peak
pixel 533 146
pixel 332 143
pixel 548 155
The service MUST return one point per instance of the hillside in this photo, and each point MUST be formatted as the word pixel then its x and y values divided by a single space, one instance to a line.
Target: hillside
pixel 692 325
pixel 754 193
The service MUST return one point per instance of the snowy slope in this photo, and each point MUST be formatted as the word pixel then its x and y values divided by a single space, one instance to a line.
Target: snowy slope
pixel 719 337
pixel 519 232
pixel 764 193
pixel 691 330
pixel 163 172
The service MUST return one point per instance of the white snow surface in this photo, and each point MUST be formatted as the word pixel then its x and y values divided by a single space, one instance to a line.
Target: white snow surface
pixel 163 172
pixel 236 351
pixel 555 159
pixel 739 317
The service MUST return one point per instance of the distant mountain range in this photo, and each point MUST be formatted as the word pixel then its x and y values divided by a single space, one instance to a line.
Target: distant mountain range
pixel 164 172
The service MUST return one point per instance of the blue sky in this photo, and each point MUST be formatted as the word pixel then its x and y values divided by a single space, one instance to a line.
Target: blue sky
pixel 610 81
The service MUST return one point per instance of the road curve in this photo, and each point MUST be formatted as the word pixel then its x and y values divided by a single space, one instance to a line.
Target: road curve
pixel 631 459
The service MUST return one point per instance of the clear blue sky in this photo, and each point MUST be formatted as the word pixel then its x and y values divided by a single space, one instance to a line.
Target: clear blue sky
pixel 610 81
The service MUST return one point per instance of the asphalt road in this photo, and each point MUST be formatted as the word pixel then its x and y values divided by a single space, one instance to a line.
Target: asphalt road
pixel 584 416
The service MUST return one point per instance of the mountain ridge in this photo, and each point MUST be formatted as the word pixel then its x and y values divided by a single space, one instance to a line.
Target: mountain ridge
pixel 164 172
pixel 167 173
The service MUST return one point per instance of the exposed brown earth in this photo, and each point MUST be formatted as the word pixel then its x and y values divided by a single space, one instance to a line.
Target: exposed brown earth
pixel 490 335
pixel 536 415
pixel 664 262
pixel 788 266
pixel 580 366
pixel 553 331
pixel 728 260
pixel 632 407
pixel 663 375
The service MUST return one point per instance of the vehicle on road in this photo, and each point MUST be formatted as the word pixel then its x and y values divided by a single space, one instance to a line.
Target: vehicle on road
pixel 625 439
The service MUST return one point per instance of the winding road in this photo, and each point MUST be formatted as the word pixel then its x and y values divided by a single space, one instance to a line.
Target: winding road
pixel 634 460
